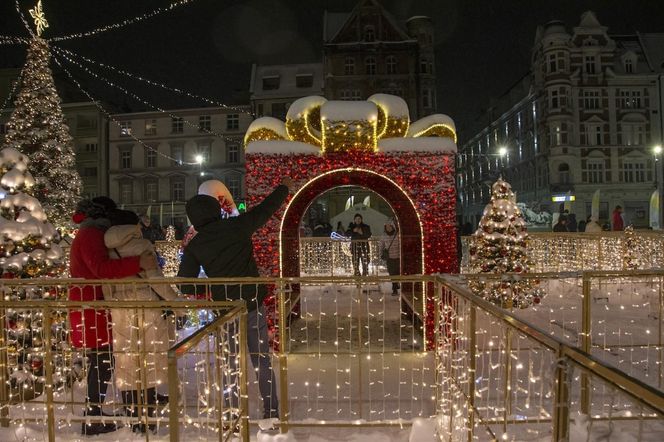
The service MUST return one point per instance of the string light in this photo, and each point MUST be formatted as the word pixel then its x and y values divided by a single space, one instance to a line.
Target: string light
pixel 117 123
pixel 12 91
pixel 12 40
pixel 123 23
pixel 151 82
pixel 147 103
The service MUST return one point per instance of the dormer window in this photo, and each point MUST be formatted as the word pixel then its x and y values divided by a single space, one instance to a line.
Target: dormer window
pixel 629 66
pixel 369 33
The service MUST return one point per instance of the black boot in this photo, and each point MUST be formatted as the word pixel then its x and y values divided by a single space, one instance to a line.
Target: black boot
pixel 131 399
pixel 96 428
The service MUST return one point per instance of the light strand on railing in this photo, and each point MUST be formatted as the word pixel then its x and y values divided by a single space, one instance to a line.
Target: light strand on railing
pixel 125 22
pixel 147 103
pixel 154 83
pixel 117 123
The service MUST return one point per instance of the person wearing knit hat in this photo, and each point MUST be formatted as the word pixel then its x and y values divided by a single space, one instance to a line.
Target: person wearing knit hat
pixel 90 328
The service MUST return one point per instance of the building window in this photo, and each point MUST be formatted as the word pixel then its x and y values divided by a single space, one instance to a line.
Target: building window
pixel 177 154
pixel 554 99
pixel 593 172
pixel 233 184
pixel 126 192
pixel 89 172
pixel 205 123
pixel 589 64
pixel 629 99
pixel 349 66
pixel 391 63
pixel 629 66
pixel 271 83
pixel 232 121
pixel 151 189
pixel 90 147
pixel 558 134
pixel 632 134
pixel 369 33
pixel 150 157
pixel 304 80
pixel 233 152
pixel 177 125
pixel 563 173
pixel 204 151
pixel 125 128
pixel 427 98
pixel 150 127
pixel 350 95
pixel 177 189
pixel 86 122
pixel 555 62
pixel 125 158
pixel 370 65
pixel 633 172
pixel 424 64
pixel 590 99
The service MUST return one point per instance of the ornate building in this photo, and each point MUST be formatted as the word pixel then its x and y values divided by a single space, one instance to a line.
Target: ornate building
pixel 586 117
pixel 367 51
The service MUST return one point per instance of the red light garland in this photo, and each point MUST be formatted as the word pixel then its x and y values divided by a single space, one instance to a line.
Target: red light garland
pixel 425 178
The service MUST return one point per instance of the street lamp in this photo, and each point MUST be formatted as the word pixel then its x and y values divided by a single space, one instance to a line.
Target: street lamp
pixel 199 159
pixel 657 152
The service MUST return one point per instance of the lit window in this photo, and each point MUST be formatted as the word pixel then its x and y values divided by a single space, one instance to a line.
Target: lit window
pixel 150 127
pixel 125 128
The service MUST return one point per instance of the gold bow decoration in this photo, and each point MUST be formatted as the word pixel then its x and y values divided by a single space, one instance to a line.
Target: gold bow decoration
pixel 341 126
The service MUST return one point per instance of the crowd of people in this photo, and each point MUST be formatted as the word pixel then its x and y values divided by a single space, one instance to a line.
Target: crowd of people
pixel 567 222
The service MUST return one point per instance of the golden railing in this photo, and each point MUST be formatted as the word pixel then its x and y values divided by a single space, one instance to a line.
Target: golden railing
pixel 567 252
pixel 503 378
pixel 331 257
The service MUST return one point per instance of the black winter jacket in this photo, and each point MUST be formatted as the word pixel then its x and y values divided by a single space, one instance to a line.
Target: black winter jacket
pixel 223 247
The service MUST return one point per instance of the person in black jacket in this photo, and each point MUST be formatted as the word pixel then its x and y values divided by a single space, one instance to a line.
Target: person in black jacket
pixel 223 247
pixel 359 234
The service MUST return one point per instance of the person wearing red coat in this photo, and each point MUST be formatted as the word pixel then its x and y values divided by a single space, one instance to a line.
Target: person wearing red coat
pixel 90 328
pixel 618 223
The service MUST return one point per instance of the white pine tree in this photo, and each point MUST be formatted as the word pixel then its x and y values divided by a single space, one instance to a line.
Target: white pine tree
pixel 37 128
pixel 500 246
pixel 27 251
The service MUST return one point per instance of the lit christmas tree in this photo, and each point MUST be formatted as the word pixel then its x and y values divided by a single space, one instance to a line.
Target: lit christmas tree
pixel 170 251
pixel 26 251
pixel 37 128
pixel 499 246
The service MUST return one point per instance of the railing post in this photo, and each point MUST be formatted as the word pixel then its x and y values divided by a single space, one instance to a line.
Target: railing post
pixel 284 404
pixel 471 369
pixel 4 371
pixel 507 389
pixel 244 376
pixel 660 310
pixel 586 341
pixel 561 400
pixel 48 373
pixel 173 397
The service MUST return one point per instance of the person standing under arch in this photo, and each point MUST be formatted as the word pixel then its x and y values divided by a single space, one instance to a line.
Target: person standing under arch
pixel 359 234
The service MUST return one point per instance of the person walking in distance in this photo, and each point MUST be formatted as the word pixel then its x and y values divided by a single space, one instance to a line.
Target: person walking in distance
pixel 359 234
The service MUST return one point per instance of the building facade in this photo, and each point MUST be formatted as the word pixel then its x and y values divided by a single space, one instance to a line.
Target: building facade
pixel 585 118
pixel 273 88
pixel 175 154
pixel 367 51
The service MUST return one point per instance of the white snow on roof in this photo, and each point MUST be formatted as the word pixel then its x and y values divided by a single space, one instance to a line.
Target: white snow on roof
pixel 269 123
pixel 282 148
pixel 393 105
pixel 349 111
pixel 423 123
pixel 419 144
pixel 297 109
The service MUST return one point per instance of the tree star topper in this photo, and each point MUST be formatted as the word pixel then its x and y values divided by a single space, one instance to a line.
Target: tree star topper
pixel 40 18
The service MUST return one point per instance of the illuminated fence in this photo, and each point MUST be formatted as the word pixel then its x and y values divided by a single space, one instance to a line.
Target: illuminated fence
pixel 505 379
pixel 43 378
pixel 331 257
pixel 567 252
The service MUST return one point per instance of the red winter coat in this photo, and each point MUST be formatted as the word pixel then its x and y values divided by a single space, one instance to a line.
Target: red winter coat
pixel 89 259
pixel 618 223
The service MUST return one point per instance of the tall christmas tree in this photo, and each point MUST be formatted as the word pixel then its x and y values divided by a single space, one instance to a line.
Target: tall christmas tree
pixel 499 246
pixel 37 128
pixel 27 251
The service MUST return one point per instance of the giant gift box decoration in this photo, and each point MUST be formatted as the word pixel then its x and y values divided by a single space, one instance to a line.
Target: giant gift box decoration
pixel 324 144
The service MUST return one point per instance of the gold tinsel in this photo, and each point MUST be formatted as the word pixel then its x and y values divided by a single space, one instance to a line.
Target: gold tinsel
pixel 344 136
pixel 438 130
pixel 262 134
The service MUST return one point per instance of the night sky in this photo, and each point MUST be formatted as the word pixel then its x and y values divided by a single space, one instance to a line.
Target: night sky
pixel 207 47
